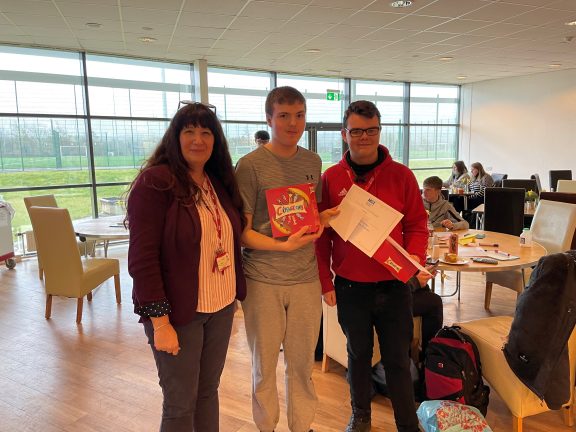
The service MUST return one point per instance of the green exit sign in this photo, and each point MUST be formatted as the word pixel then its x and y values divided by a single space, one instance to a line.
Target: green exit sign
pixel 333 95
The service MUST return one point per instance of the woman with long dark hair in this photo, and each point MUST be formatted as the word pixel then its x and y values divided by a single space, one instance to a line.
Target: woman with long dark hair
pixel 185 216
pixel 459 177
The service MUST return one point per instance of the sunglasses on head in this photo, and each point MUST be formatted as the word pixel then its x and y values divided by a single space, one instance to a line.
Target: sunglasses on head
pixel 197 105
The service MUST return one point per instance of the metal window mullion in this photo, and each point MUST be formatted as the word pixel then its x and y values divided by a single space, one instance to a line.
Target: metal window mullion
pixel 406 135
pixel 458 124
pixel 88 124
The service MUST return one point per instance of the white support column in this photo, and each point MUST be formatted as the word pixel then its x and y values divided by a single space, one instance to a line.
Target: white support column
pixel 201 81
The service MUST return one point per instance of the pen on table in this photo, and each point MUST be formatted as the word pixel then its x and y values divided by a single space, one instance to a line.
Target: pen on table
pixel 489 244
pixel 502 253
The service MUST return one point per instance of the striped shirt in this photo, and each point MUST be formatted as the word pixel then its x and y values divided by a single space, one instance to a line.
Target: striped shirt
pixel 478 185
pixel 216 289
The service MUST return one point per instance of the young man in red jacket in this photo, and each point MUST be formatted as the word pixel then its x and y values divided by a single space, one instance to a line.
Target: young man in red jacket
pixel 367 294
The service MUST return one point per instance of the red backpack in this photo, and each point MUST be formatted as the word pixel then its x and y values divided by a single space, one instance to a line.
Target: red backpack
pixel 452 369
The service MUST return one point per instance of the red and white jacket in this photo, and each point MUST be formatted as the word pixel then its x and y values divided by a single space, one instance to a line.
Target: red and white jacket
pixel 394 184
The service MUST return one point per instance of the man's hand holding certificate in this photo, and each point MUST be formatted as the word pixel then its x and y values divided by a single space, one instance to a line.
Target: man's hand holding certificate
pixel 366 222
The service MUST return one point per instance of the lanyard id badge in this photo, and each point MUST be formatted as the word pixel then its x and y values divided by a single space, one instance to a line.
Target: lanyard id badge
pixel 222 261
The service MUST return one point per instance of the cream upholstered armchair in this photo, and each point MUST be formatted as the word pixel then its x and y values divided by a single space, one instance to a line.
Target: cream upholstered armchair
pixel 566 186
pixel 50 201
pixel 335 340
pixel 66 274
pixel 489 334
pixel 553 227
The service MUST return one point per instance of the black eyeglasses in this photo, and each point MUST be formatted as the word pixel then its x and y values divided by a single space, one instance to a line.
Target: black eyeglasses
pixel 358 132
pixel 198 104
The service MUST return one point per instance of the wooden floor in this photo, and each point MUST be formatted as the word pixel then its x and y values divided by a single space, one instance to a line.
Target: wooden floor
pixel 100 376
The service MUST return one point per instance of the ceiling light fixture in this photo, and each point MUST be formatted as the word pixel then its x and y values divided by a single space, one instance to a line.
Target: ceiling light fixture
pixel 401 4
pixel 554 65
pixel 462 77
pixel 312 51
pixel 93 25
pixel 570 23
pixel 147 28
pixel 446 58
pixel 147 39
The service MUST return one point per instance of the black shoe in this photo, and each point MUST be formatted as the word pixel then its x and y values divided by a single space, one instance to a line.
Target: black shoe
pixel 359 423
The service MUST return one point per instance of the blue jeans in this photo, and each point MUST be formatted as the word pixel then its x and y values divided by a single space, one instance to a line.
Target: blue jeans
pixel 387 307
pixel 190 379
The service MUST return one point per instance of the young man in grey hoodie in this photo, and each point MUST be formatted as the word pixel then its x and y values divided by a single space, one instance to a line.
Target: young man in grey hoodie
pixel 441 212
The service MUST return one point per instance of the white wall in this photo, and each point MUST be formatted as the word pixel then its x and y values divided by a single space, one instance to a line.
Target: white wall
pixel 522 125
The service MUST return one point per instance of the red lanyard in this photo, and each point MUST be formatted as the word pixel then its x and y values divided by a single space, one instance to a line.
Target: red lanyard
pixel 365 186
pixel 215 213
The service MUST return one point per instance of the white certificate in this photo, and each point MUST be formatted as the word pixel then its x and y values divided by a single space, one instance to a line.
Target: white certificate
pixel 364 220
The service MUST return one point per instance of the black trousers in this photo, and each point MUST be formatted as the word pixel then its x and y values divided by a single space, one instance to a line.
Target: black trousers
pixel 387 307
pixel 190 379
pixel 458 202
pixel 428 305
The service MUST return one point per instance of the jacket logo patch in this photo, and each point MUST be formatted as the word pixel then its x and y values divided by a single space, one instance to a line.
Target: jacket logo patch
pixel 343 192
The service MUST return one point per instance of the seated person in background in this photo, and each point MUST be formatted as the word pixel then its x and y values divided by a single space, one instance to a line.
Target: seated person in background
pixel 479 181
pixel 459 177
pixel 261 137
pixel 441 213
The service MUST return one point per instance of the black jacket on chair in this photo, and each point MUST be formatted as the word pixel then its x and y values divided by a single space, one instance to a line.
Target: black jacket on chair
pixel 545 316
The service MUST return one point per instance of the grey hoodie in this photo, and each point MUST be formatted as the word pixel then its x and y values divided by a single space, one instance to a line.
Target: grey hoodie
pixel 441 210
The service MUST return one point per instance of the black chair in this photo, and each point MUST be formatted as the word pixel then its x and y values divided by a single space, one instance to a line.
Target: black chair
pixel 504 210
pixel 556 175
pixel 526 184
pixel 497 177
pixel 538 183
pixel 445 193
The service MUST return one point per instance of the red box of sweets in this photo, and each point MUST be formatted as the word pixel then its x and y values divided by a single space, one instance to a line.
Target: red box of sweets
pixel 292 207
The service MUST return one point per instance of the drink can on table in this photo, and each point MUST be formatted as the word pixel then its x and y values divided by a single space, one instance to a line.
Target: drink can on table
pixel 453 244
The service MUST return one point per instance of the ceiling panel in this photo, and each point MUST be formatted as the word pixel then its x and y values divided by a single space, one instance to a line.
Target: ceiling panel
pixel 372 19
pixel 260 9
pixel 324 15
pixel 452 8
pixel 91 12
pixel 224 7
pixel 538 17
pixel 499 30
pixel 569 5
pixel 33 6
pixel 460 26
pixel 417 22
pixel 256 24
pixel 361 39
pixel 47 21
pixel 497 11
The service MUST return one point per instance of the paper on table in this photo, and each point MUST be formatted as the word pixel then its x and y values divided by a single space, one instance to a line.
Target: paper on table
pixel 501 256
pixel 470 251
pixel 372 223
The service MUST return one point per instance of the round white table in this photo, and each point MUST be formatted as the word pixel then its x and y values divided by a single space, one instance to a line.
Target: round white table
pixel 106 229
pixel 527 256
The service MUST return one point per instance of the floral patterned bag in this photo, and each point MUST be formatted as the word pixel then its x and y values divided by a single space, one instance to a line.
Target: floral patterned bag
pixel 450 416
